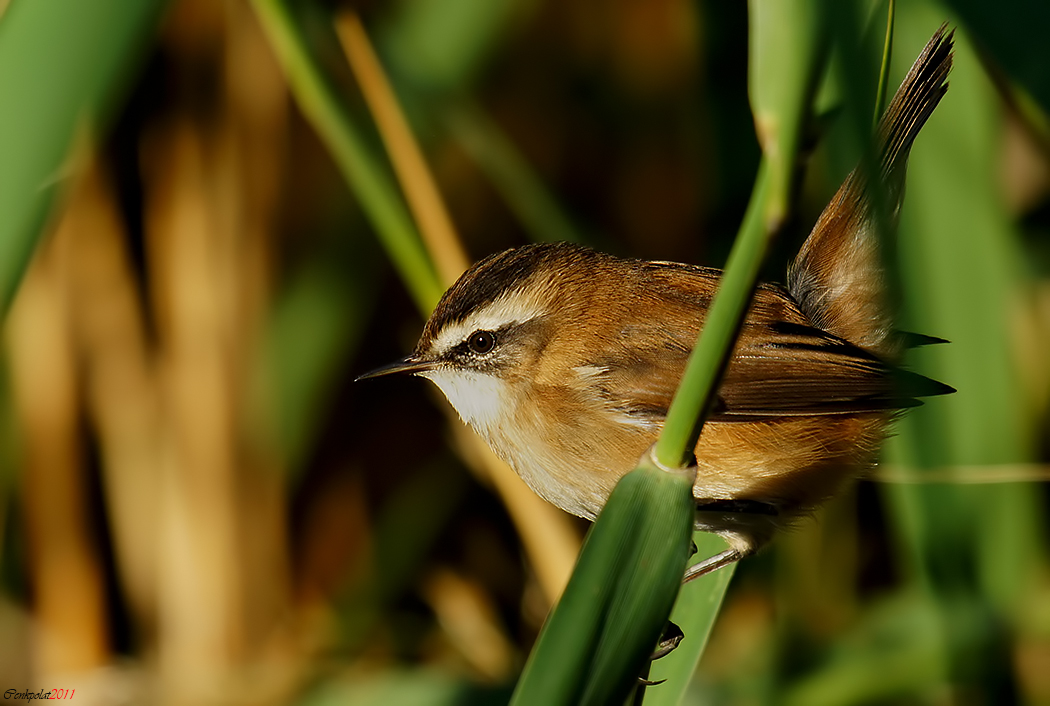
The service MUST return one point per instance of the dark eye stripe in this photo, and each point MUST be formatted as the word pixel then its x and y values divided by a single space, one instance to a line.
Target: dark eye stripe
pixel 502 337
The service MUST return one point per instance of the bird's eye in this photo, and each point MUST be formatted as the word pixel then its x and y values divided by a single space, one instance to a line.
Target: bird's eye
pixel 481 341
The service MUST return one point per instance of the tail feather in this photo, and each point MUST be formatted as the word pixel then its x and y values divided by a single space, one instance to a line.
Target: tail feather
pixel 916 99
pixel 837 277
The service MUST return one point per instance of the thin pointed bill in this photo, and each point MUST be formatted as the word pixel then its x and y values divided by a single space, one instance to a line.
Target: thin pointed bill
pixel 408 364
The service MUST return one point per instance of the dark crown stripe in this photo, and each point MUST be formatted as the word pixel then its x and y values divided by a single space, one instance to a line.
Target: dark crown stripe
pixel 496 275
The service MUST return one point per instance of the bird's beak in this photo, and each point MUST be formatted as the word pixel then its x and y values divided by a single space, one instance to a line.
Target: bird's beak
pixel 408 364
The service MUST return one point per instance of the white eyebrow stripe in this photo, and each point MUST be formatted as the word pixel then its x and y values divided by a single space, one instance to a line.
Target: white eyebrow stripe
pixel 515 307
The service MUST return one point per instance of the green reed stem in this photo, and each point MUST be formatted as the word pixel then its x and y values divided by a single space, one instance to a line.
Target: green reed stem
pixel 371 184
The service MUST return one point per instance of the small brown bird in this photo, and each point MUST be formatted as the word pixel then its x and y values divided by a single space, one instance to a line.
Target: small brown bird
pixel 565 359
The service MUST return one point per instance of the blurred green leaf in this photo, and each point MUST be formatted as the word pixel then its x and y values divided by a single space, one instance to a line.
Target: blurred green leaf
pixel 890 653
pixel 411 687
pixel 405 530
pixel 850 85
pixel 538 210
pixel 961 266
pixel 443 44
pixel 437 48
pixel 62 65
pixel 1014 33
pixel 318 318
pixel 884 70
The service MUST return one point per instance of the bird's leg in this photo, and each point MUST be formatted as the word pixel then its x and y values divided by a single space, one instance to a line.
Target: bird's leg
pixel 734 520
pixel 712 564
pixel 745 524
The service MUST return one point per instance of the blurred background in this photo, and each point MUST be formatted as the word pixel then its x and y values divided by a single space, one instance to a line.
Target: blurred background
pixel 199 506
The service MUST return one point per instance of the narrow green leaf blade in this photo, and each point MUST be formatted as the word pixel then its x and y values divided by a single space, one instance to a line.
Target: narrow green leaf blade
pixel 596 642
pixel 695 612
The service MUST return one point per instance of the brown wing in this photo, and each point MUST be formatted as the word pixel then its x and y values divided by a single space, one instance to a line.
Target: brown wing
pixel 782 366
pixel 790 369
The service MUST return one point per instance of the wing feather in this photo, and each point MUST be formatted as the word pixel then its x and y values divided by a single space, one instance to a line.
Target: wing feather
pixel 782 366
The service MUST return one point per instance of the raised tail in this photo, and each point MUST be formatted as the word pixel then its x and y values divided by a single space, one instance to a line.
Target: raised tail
pixel 837 277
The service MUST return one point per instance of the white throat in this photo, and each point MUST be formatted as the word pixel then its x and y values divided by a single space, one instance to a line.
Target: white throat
pixel 481 400
pixel 488 404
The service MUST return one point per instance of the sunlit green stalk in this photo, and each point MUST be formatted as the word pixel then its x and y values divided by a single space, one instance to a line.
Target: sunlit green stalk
pixel 715 346
pixel 787 54
pixel 699 602
pixel 371 183
pixel 884 71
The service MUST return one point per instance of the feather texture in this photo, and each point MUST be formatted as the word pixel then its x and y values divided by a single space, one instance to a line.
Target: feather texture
pixel 566 359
